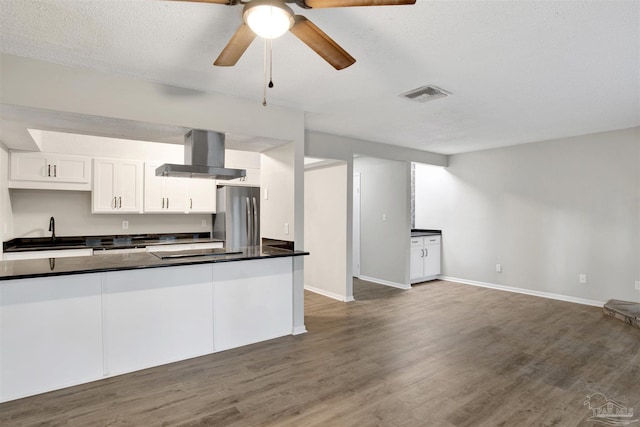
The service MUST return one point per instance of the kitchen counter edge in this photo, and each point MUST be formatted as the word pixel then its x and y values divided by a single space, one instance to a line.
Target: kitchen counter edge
pixel 46 267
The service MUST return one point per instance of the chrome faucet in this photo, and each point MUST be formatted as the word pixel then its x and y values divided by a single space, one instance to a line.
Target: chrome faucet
pixel 52 229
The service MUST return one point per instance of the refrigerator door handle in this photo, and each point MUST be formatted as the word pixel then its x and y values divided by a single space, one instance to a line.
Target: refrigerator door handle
pixel 249 233
pixel 255 222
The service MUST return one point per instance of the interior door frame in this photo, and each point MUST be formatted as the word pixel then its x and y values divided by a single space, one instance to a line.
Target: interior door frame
pixel 356 225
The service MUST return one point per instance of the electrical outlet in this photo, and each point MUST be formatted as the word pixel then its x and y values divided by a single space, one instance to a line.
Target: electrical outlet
pixel 125 225
pixel 203 223
pixel 637 285
pixel 499 268
pixel 384 217
pixel 582 278
pixel 286 228
pixel 266 194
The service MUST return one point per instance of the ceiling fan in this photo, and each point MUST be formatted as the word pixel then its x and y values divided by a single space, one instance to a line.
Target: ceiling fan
pixel 272 18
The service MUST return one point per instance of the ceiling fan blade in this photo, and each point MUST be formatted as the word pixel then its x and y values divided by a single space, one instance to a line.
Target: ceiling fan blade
pixel 229 2
pixel 239 42
pixel 317 4
pixel 321 43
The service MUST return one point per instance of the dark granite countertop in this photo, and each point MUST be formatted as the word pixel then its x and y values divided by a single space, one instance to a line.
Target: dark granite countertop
pixel 417 232
pixel 22 269
pixel 125 241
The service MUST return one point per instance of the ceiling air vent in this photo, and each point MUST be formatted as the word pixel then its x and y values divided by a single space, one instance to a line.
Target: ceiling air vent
pixel 425 94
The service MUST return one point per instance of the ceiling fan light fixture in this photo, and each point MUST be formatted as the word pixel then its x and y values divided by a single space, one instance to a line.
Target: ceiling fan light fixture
pixel 268 18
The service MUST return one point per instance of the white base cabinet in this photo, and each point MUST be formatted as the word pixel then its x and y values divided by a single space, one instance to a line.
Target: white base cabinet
pixel 61 331
pixel 55 253
pixel 425 258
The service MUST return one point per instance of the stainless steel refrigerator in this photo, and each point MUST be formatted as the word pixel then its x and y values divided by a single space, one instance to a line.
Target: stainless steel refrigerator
pixel 237 218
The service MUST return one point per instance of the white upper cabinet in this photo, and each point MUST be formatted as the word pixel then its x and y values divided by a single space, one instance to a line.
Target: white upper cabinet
pixel 177 195
pixel 163 194
pixel 202 195
pixel 117 186
pixel 248 160
pixel 49 171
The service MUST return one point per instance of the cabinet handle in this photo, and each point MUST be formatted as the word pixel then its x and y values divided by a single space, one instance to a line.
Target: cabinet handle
pixel 426 252
pixel 167 203
pixel 422 253
pixel 163 203
pixel 48 170
pixel 190 203
pixel 115 202
pixel 55 171
pixel 119 202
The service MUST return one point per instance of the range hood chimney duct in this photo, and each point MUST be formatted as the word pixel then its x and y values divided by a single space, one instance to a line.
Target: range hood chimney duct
pixel 203 158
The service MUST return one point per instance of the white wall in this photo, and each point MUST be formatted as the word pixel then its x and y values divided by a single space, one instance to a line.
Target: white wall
pixel 72 211
pixel 6 216
pixel 384 247
pixel 325 226
pixel 546 211
pixel 277 180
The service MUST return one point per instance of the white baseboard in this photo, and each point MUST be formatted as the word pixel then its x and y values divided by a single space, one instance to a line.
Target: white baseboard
pixel 329 294
pixel 299 330
pixel 549 295
pixel 385 282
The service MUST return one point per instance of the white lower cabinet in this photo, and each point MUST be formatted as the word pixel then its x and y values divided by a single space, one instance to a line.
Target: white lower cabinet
pixel 50 334
pixel 55 253
pixel 246 310
pixel 157 316
pixel 425 258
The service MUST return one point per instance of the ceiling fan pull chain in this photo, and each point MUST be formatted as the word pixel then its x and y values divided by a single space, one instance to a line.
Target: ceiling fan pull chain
pixel 264 99
pixel 270 63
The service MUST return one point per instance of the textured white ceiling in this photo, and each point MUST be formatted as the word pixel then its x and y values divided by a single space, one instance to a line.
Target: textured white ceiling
pixel 519 71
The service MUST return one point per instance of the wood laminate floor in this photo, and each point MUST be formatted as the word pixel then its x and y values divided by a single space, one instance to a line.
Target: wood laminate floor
pixel 441 354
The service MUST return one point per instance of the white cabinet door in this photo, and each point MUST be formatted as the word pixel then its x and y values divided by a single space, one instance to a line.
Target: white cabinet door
pixel 425 258
pixel 103 196
pixel 153 195
pixel 164 194
pixel 202 196
pixel 431 260
pixel 49 171
pixel 130 187
pixel 117 186
pixel 71 168
pixel 29 167
pixel 432 255
pixel 247 310
pixel 156 316
pixel 416 263
pixel 51 335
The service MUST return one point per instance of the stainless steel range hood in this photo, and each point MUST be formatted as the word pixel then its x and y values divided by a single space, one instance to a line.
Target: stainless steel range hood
pixel 203 158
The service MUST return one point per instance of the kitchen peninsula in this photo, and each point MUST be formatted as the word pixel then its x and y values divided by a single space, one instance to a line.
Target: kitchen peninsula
pixel 68 321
